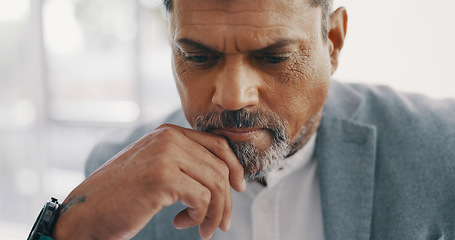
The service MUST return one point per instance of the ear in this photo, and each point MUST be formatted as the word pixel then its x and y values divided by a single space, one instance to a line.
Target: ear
pixel 338 24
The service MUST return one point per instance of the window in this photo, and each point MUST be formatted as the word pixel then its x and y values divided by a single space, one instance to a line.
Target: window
pixel 72 71
pixel 90 55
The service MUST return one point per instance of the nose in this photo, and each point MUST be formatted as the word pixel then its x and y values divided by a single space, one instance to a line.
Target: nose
pixel 236 87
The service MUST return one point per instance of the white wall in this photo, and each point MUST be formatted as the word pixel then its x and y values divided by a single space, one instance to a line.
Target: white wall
pixel 407 44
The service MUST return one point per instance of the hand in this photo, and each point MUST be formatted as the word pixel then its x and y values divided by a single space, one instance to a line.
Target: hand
pixel 167 165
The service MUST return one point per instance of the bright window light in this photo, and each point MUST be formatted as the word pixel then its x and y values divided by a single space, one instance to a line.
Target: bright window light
pixel 13 10
pixel 62 34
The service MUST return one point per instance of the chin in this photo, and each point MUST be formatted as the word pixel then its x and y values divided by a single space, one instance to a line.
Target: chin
pixel 257 162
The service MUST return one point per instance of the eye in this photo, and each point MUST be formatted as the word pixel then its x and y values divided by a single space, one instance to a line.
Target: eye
pixel 197 59
pixel 201 59
pixel 275 60
pixel 272 59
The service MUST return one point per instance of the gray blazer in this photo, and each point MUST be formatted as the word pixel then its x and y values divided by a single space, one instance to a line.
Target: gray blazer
pixel 386 167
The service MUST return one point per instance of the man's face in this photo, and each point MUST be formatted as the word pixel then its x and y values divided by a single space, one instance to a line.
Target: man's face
pixel 256 72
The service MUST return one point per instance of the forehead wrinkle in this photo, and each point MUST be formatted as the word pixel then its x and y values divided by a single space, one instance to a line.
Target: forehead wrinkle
pixel 229 27
pixel 257 19
pixel 229 11
pixel 233 25
pixel 232 6
pixel 256 40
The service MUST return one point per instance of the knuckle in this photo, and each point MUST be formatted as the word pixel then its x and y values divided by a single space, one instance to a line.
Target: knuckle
pixel 163 141
pixel 205 197
pixel 220 183
pixel 164 126
pixel 165 131
pixel 196 216
pixel 224 170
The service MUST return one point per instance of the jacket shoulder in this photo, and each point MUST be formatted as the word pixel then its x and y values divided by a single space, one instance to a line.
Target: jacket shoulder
pixel 415 159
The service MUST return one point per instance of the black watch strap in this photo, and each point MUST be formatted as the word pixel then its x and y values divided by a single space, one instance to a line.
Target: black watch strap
pixel 42 229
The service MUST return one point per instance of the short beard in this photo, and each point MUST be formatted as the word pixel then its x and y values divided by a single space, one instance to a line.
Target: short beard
pixel 256 162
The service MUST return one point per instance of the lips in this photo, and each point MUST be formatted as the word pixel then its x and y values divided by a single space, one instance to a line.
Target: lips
pixel 238 134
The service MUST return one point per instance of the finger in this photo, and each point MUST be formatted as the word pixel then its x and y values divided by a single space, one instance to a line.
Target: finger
pixel 213 218
pixel 211 222
pixel 199 165
pixel 197 198
pixel 189 217
pixel 215 212
pixel 208 169
pixel 219 147
pixel 226 221
pixel 219 211
pixel 213 174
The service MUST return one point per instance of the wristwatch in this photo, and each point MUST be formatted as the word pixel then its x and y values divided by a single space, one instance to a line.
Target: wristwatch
pixel 42 229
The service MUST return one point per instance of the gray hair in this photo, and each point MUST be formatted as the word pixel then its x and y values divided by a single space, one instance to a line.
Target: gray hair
pixel 325 5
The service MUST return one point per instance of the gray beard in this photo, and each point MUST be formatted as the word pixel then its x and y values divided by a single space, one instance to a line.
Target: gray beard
pixel 257 163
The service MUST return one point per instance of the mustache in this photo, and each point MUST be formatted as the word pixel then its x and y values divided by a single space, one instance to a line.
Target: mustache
pixel 243 118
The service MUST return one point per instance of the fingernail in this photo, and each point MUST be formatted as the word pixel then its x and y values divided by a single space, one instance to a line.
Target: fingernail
pixel 243 184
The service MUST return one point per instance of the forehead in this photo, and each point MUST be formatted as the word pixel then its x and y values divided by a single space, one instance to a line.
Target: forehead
pixel 247 24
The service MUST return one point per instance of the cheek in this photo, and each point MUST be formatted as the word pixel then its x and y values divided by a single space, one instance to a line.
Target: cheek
pixel 195 93
pixel 303 88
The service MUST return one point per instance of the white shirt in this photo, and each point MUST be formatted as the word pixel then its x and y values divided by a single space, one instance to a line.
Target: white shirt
pixel 287 208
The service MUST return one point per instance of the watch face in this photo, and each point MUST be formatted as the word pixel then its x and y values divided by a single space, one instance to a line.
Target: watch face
pixel 45 221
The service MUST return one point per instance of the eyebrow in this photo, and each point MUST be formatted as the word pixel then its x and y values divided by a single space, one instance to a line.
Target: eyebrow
pixel 278 45
pixel 270 48
pixel 193 44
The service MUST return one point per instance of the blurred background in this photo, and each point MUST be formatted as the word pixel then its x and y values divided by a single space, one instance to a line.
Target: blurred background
pixel 72 71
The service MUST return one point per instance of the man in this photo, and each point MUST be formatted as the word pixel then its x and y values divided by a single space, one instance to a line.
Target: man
pixel 352 162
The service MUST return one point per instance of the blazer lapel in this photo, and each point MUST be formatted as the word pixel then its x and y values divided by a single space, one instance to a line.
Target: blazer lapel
pixel 345 153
